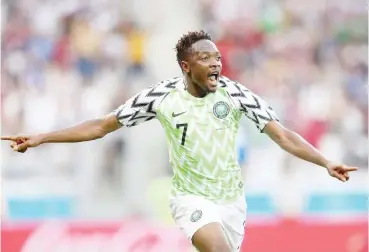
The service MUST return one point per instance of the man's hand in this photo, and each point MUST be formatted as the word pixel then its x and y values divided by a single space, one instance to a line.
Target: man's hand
pixel 299 147
pixel 340 171
pixel 22 143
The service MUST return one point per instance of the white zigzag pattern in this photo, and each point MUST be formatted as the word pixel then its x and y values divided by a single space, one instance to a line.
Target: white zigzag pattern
pixel 250 104
pixel 142 106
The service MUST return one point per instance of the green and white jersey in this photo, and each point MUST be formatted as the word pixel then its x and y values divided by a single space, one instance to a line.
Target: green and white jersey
pixel 201 132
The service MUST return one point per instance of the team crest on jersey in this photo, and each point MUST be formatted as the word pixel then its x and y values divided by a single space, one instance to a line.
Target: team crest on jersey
pixel 196 215
pixel 221 109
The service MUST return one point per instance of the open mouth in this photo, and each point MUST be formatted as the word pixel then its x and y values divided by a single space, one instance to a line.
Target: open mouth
pixel 213 77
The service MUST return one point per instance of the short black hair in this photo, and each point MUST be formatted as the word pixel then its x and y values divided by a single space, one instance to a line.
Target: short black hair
pixel 186 41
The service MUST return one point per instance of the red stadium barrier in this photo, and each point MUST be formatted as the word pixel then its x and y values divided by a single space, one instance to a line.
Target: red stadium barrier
pixel 131 236
pixel 295 236
pixel 139 236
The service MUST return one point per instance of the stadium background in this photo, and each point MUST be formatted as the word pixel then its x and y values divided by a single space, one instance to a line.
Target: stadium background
pixel 67 61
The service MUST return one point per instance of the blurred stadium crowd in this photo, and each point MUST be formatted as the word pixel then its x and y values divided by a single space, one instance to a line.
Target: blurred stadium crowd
pixel 67 61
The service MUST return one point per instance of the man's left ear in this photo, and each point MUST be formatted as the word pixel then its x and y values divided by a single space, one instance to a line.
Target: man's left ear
pixel 185 66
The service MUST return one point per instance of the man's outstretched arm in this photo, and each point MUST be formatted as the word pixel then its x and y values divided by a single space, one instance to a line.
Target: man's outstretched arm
pixel 86 131
pixel 299 147
pixel 138 109
pixel 266 120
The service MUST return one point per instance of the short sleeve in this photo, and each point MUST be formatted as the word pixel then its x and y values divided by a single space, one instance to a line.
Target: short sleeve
pixel 251 105
pixel 142 107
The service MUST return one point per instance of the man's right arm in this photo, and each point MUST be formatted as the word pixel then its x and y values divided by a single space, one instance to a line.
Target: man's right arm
pixel 85 131
pixel 138 109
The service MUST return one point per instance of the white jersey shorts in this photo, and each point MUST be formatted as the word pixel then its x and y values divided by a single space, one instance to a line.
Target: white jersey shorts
pixel 191 213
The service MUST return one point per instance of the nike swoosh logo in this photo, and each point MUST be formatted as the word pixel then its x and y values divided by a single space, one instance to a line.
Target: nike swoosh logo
pixel 178 114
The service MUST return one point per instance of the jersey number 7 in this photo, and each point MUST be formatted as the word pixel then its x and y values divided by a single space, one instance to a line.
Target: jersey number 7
pixel 184 125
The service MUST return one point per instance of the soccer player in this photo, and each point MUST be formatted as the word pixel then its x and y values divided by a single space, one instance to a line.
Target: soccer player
pixel 200 113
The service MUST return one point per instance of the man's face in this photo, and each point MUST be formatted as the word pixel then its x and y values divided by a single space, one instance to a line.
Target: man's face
pixel 203 65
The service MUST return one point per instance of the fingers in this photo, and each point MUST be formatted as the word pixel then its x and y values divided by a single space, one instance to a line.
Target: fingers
pixel 350 169
pixel 19 143
pixel 346 175
pixel 341 172
pixel 341 177
pixel 22 151
pixel 21 147
pixel 9 138
pixel 18 139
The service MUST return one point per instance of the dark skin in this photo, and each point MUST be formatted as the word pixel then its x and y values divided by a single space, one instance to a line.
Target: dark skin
pixel 202 60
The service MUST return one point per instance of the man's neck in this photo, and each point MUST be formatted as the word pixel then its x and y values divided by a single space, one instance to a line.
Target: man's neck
pixel 193 89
